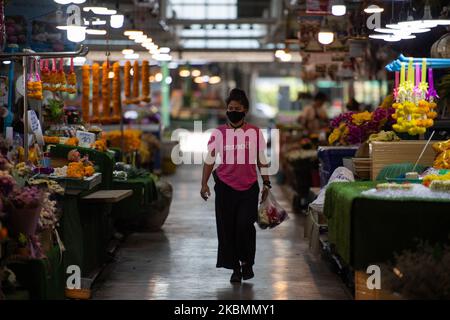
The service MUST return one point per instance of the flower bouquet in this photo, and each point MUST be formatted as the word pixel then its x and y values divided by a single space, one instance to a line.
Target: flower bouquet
pixel 25 212
pixel 353 128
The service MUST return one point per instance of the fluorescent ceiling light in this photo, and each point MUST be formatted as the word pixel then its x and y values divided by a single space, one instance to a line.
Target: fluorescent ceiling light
pixel 164 50
pixel 96 32
pixel 129 33
pixel 127 51
pixel 98 22
pixel 100 10
pixel 139 39
pixel 162 57
pixel 373 9
pixel 132 56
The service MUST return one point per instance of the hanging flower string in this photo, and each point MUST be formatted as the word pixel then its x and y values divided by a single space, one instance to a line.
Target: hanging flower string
pixel 34 84
pixel 397 79
pixel 431 94
pixel 414 107
pixel 71 79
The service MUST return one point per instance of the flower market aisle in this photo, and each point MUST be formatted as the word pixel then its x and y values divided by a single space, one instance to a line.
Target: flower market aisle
pixel 179 262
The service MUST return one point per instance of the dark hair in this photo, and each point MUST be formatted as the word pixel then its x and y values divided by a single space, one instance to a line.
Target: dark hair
pixel 238 95
pixel 320 96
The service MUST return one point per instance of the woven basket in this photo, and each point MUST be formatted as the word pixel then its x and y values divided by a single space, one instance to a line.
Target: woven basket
pixel 79 294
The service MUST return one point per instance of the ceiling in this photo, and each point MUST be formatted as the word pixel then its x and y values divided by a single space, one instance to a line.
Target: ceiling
pixel 198 25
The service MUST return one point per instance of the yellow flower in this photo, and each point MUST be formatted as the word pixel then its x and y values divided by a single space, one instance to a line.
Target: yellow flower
pixel 361 117
pixel 334 136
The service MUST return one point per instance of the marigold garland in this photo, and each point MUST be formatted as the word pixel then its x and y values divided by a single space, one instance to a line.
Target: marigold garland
pixel 71 79
pixel 127 82
pixel 85 75
pixel 106 94
pixel 95 91
pixel 116 92
pixel 135 82
pixel 145 82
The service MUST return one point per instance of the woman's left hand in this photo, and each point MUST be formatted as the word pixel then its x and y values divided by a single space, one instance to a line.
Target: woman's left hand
pixel 264 194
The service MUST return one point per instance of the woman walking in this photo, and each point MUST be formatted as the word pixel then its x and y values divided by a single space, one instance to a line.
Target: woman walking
pixel 239 147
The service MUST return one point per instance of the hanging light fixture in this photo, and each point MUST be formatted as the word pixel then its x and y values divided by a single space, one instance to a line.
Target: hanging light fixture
pixel 76 33
pixel 426 21
pixel 116 21
pixel 184 73
pixel 326 35
pixel 127 51
pixel 373 8
pixel 96 32
pixel 196 73
pixel 132 32
pixel 338 8
pixel 100 10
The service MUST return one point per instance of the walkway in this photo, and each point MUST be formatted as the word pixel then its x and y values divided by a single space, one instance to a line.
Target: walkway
pixel 179 262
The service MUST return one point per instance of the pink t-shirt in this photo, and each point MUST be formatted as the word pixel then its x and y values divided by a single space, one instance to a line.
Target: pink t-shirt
pixel 237 153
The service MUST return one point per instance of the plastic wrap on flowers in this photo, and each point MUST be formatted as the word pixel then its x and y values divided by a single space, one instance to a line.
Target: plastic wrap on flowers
pixel 270 213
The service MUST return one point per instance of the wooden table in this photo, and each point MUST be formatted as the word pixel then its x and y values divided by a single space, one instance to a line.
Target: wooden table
pixel 107 196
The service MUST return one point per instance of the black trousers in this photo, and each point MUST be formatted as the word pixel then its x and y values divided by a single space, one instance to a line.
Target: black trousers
pixel 236 213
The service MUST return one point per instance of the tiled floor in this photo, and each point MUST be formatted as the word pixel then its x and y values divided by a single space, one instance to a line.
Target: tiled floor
pixel 179 262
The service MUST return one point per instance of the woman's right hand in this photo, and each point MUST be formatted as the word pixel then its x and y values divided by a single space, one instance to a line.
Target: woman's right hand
pixel 205 193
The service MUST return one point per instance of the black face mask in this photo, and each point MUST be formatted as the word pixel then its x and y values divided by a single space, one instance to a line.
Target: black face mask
pixel 235 116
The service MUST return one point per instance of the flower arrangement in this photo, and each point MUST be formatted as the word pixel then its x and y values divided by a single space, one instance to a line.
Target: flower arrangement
pixel 48 217
pixel 26 198
pixel 51 140
pixel 85 77
pixel 100 145
pixel 442 150
pixel 75 170
pixel 7 183
pixel 355 128
pixel 73 141
pixel 5 164
pixel 132 139
pixel 414 100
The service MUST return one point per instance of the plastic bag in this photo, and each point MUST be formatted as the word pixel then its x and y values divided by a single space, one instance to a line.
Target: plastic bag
pixel 270 213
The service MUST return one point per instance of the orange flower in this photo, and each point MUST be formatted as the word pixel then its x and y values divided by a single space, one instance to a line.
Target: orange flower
pixel 75 170
pixel 89 171
pixel 72 141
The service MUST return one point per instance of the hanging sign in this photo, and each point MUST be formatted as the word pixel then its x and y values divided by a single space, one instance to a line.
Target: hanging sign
pixel 85 139
pixel 35 126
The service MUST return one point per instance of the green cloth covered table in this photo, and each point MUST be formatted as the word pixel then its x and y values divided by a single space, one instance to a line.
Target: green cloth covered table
pixel 368 231
pixel 144 193
pixel 43 278
pixel 85 229
pixel 104 160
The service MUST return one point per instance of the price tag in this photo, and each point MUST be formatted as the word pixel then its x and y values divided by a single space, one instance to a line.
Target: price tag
pixel 85 139
pixel 35 126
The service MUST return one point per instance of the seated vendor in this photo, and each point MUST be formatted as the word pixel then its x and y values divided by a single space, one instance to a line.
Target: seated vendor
pixel 314 117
